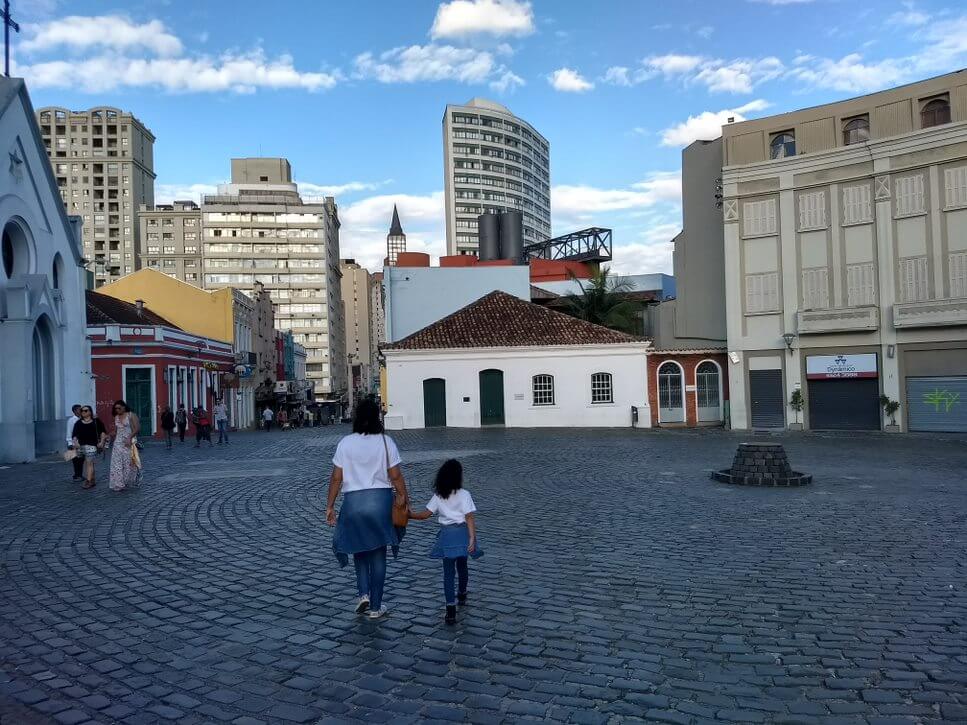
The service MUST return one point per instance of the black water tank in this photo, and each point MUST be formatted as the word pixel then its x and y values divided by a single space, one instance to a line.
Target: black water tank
pixel 488 237
pixel 512 236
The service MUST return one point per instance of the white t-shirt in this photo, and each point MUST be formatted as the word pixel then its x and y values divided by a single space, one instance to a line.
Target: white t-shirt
pixel 267 414
pixel 364 461
pixel 452 510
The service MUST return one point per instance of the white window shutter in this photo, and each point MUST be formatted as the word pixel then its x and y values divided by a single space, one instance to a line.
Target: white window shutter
pixel 958 274
pixel 910 197
pixel 860 289
pixel 857 206
pixel 955 184
pixel 759 217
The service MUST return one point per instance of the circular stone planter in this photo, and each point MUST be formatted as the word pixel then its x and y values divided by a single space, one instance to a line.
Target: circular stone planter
pixel 761 464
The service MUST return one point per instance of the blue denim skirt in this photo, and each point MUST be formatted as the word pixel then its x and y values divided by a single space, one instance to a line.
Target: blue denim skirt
pixel 365 523
pixel 452 542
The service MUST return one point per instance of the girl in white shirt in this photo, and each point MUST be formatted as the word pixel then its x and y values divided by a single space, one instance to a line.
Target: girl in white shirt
pixel 457 537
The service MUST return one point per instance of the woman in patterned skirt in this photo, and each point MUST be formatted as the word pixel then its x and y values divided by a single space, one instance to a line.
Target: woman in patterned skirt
pixel 126 429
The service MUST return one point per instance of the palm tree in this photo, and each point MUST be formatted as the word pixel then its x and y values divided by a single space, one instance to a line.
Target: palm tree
pixel 604 300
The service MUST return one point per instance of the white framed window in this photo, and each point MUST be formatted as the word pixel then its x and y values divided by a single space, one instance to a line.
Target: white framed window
pixel 910 197
pixel 958 274
pixel 543 389
pixel 759 218
pixel 815 289
pixel 812 210
pixel 860 285
pixel 857 204
pixel 601 389
pixel 955 186
pixel 913 279
pixel 762 292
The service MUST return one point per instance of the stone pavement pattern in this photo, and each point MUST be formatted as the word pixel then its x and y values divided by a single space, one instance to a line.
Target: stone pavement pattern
pixel 620 584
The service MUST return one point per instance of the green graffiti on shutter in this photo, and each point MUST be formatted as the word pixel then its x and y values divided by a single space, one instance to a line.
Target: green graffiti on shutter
pixel 941 399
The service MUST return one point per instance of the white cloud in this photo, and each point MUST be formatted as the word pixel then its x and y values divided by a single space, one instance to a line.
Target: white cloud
pixel 365 224
pixel 673 64
pixel 739 75
pixel 430 63
pixel 646 257
pixel 114 32
pixel 238 73
pixel 569 81
pixel 850 73
pixel 910 17
pixel 705 31
pixel 581 201
pixel 461 18
pixel 507 82
pixel 707 125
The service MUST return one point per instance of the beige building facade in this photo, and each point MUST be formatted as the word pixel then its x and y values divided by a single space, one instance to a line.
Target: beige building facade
pixel 259 230
pixel 357 295
pixel 846 262
pixel 171 240
pixel 493 161
pixel 103 160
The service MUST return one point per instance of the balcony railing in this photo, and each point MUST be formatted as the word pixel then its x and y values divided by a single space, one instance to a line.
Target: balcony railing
pixel 934 313
pixel 847 319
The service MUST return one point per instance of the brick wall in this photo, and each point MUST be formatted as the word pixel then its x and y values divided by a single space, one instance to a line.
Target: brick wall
pixel 688 362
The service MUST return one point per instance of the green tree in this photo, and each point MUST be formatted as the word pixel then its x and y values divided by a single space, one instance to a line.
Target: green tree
pixel 604 300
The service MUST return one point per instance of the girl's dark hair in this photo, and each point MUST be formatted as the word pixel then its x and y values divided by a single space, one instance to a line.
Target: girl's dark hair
pixel 448 479
pixel 366 420
pixel 122 404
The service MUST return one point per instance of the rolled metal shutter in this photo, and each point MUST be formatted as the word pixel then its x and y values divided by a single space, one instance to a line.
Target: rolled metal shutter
pixel 845 404
pixel 768 402
pixel 937 404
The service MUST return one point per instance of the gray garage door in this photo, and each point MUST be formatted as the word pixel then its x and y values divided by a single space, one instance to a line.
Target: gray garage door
pixel 937 404
pixel 844 404
pixel 765 394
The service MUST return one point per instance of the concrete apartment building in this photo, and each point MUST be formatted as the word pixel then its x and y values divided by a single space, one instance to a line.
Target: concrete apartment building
pixel 846 261
pixel 103 160
pixel 258 229
pixel 493 161
pixel 357 296
pixel 171 240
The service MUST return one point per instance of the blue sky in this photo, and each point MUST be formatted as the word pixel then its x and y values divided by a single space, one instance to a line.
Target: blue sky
pixel 353 92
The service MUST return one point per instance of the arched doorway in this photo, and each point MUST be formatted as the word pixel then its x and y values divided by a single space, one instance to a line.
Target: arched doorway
pixel 491 397
pixel 434 403
pixel 708 392
pixel 44 393
pixel 671 393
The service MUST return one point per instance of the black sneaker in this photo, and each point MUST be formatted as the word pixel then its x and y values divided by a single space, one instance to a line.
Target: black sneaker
pixel 462 599
pixel 451 617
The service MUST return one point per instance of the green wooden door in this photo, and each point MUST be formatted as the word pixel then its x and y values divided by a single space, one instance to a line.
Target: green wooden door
pixel 434 403
pixel 491 397
pixel 137 394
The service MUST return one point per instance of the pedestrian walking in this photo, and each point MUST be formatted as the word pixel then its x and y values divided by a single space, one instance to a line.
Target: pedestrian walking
pixel 181 420
pixel 124 473
pixel 221 421
pixel 283 418
pixel 457 537
pixel 203 427
pixel 168 425
pixel 366 470
pixel 77 462
pixel 267 416
pixel 89 438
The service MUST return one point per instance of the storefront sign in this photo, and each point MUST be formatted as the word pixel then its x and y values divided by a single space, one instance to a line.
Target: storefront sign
pixel 827 367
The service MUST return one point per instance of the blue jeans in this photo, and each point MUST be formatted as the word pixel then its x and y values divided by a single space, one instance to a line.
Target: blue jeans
pixel 371 575
pixel 222 430
pixel 452 568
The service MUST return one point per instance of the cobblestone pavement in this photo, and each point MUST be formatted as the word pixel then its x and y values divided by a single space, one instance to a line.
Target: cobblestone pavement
pixel 620 584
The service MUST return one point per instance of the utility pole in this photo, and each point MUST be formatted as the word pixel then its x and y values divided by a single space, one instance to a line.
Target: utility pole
pixel 7 24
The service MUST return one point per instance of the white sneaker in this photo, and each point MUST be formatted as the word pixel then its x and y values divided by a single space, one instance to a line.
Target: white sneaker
pixel 362 604
pixel 377 613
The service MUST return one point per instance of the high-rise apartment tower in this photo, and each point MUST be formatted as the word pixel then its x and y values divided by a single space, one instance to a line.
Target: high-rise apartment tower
pixel 171 240
pixel 258 229
pixel 103 160
pixel 493 161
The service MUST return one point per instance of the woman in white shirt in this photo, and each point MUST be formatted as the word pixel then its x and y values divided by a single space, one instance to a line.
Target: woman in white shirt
pixel 366 468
